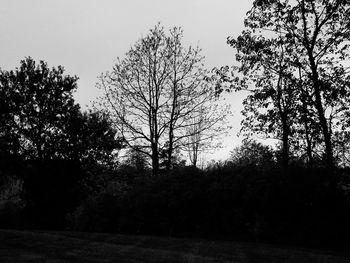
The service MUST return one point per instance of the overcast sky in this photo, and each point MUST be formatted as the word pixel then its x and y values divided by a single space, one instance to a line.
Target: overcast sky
pixel 86 36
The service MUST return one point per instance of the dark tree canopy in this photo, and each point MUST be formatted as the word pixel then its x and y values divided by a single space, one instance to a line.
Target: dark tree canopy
pixel 293 59
pixel 252 153
pixel 91 138
pixel 48 143
pixel 38 104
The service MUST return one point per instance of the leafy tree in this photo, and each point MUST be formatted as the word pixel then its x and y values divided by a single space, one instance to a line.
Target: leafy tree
pixel 51 144
pixel 91 138
pixel 39 111
pixel 267 75
pixel 252 153
pixel 137 160
pixel 38 102
pixel 91 141
pixel 314 35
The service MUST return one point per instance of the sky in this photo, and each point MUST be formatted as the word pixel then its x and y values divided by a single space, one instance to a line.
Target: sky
pixel 87 36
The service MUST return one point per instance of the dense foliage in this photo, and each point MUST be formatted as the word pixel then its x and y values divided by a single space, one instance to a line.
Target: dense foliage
pixel 50 149
pixel 121 167
pixel 293 59
pixel 225 201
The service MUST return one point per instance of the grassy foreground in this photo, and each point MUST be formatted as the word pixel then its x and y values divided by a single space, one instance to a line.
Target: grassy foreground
pixel 57 247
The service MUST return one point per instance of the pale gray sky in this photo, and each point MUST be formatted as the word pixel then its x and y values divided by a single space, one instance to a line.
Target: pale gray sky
pixel 86 36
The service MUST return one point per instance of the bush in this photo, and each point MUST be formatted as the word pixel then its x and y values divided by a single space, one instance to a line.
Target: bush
pixel 11 203
pixel 11 213
pixel 225 201
pixel 97 214
pixel 52 190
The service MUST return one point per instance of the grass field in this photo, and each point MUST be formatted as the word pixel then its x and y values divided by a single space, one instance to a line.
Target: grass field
pixel 57 247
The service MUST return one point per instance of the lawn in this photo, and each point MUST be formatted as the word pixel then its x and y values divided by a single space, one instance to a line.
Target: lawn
pixel 57 247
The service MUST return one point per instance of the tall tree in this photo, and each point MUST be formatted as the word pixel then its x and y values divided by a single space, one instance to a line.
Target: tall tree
pixel 136 97
pixel 316 35
pixel 195 116
pixel 265 72
pixel 154 92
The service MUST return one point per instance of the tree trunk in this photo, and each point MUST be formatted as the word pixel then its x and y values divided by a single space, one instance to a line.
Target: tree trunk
pixel 310 162
pixel 194 161
pixel 305 120
pixel 285 143
pixel 307 137
pixel 284 120
pixel 320 111
pixel 170 153
pixel 172 122
pixel 155 159
pixel 155 142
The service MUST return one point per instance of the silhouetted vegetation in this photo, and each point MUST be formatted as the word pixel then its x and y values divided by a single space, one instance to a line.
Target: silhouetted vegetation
pixel 51 149
pixel 225 201
pixel 61 167
pixel 161 99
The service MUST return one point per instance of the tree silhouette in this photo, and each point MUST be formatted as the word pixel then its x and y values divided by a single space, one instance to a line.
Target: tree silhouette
pixel 91 138
pixel 267 75
pixel 38 102
pixel 252 153
pixel 48 142
pixel 156 93
pixel 311 40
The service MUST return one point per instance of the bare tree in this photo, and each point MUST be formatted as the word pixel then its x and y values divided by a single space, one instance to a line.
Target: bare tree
pixel 135 94
pixel 207 125
pixel 154 93
pixel 195 117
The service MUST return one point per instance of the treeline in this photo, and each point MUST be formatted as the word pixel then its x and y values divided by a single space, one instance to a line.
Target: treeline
pixel 224 202
pixel 48 146
pixel 121 166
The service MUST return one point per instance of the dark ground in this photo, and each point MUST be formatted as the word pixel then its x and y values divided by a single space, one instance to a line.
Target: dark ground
pixel 40 246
